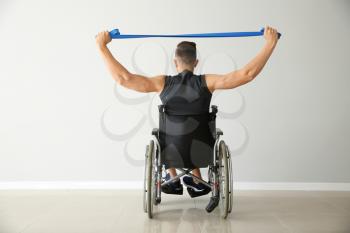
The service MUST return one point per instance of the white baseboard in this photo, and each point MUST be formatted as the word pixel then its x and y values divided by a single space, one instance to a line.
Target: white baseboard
pixel 71 185
pixel 97 185
pixel 292 186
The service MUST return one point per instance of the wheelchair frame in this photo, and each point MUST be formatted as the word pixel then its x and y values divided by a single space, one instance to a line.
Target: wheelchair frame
pixel 219 174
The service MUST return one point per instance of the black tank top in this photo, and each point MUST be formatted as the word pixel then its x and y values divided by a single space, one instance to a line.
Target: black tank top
pixel 186 130
pixel 186 93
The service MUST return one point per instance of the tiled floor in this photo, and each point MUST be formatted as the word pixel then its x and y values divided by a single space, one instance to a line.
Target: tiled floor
pixel 112 211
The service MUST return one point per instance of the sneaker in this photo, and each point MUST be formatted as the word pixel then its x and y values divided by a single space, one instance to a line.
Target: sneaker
pixel 195 190
pixel 172 187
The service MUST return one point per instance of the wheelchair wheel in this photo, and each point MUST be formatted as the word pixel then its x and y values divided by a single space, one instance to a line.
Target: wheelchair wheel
pixel 223 180
pixel 145 183
pixel 230 179
pixel 149 181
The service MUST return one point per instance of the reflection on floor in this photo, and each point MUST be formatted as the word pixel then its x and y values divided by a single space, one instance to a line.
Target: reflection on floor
pixel 112 211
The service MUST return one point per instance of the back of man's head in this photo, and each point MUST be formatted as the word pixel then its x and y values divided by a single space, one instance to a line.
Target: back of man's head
pixel 186 52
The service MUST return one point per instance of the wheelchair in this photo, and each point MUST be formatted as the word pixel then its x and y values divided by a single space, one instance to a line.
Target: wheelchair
pixel 218 163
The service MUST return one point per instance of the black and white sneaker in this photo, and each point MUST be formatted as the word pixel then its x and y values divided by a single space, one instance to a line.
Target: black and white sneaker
pixel 195 190
pixel 172 187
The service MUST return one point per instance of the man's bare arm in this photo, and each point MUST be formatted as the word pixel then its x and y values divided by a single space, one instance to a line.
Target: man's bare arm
pixel 249 71
pixel 122 75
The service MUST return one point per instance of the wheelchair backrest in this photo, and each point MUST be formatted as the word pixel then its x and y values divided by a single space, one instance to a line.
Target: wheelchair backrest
pixel 187 140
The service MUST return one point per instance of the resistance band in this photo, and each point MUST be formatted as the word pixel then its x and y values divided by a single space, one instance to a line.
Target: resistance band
pixel 115 34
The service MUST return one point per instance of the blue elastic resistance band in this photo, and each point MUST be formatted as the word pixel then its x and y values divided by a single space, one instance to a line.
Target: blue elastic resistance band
pixel 115 34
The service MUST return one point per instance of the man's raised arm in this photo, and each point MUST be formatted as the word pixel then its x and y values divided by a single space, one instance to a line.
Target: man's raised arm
pixel 122 75
pixel 248 72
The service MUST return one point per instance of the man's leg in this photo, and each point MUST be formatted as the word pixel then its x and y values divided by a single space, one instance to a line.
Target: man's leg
pixel 172 172
pixel 197 173
pixel 174 187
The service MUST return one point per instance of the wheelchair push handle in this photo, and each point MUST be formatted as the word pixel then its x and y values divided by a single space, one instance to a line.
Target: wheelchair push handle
pixel 214 109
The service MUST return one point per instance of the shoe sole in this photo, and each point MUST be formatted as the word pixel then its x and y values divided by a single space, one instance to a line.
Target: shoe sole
pixel 177 192
pixel 194 194
pixel 194 188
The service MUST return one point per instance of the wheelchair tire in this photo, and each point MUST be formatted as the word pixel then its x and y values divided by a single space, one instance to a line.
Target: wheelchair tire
pixel 223 180
pixel 145 182
pixel 229 159
pixel 149 179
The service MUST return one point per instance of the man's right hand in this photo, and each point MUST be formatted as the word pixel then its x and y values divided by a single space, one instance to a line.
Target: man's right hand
pixel 103 38
pixel 270 34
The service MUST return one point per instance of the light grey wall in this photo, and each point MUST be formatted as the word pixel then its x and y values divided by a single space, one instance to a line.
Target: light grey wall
pixel 61 112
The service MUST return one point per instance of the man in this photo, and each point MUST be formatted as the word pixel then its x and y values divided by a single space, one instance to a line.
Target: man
pixel 185 62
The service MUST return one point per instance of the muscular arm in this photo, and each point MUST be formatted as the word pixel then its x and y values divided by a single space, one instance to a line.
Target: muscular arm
pixel 249 71
pixel 121 75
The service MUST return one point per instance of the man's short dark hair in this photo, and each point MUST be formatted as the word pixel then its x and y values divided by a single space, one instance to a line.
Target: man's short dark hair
pixel 187 52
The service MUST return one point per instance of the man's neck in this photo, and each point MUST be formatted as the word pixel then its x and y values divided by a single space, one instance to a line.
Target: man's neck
pixel 183 69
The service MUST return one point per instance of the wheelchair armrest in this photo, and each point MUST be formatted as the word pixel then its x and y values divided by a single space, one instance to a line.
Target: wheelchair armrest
pixel 219 132
pixel 155 132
